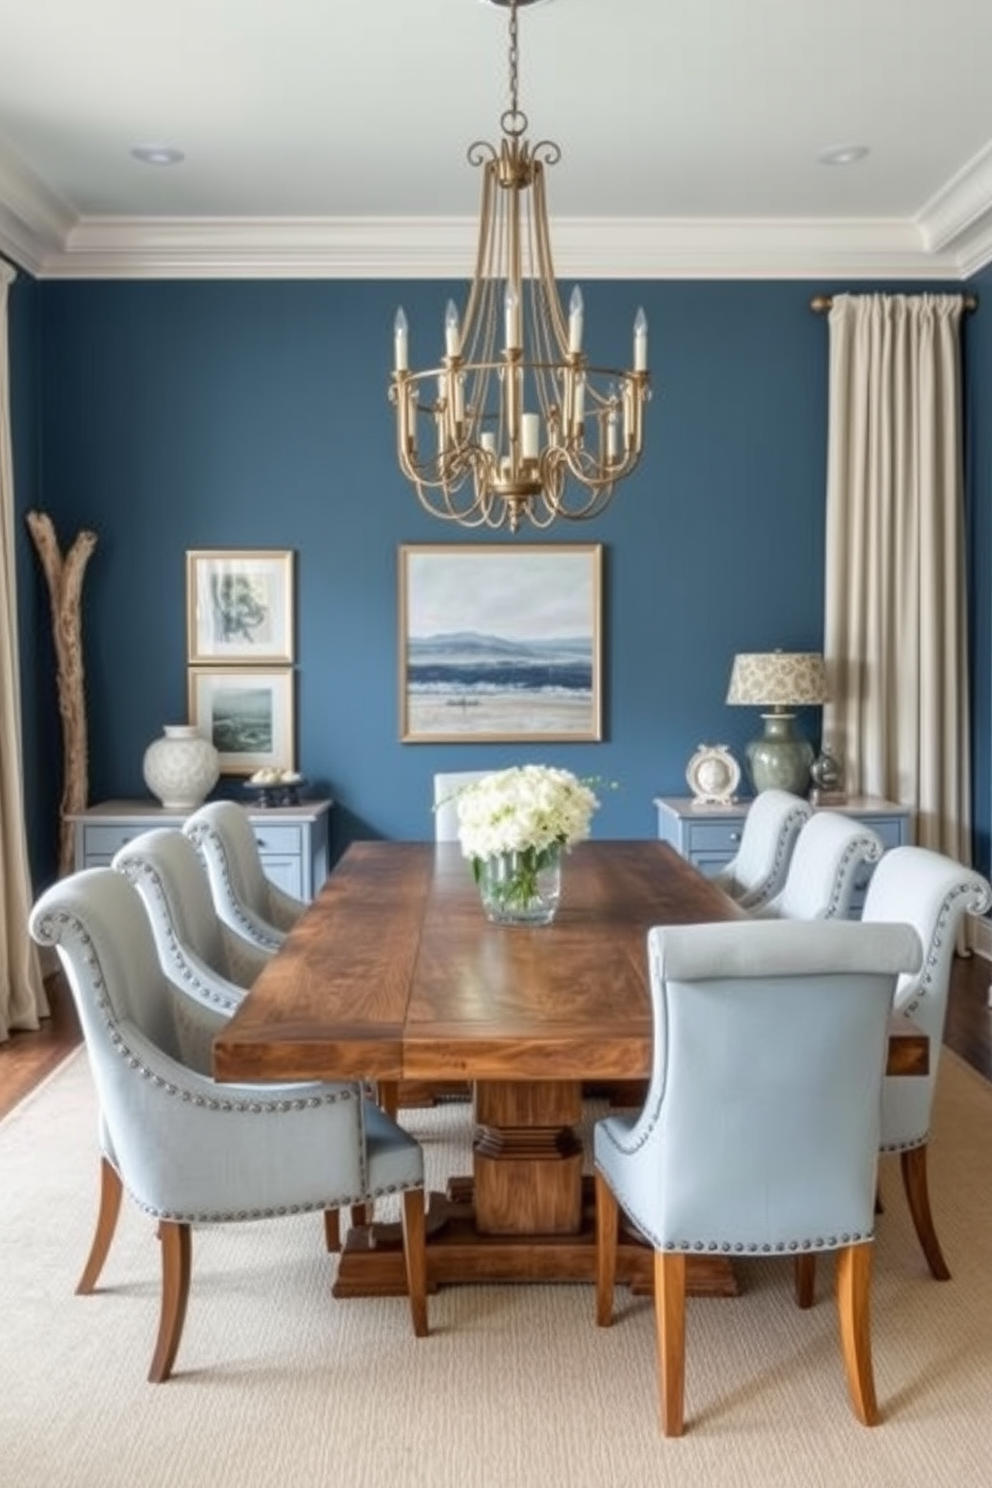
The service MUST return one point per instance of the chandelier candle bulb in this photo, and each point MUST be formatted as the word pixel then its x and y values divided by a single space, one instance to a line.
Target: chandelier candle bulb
pixel 452 333
pixel 640 341
pixel 401 342
pixel 512 308
pixel 575 321
pixel 530 431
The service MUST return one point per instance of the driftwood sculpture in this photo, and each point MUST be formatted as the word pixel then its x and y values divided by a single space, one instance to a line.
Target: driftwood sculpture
pixel 65 585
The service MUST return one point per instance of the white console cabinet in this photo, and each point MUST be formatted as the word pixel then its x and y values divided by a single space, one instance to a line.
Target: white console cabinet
pixel 291 839
pixel 709 836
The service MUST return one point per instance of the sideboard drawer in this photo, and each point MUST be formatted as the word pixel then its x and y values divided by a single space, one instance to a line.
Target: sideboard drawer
pixel 100 843
pixel 893 830
pixel 710 838
pixel 278 841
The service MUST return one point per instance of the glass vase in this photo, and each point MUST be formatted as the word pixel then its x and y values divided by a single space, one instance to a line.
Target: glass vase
pixel 520 888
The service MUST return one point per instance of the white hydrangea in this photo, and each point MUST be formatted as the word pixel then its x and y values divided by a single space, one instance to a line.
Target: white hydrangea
pixel 526 806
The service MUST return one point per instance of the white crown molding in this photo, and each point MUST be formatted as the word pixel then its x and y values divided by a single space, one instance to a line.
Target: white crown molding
pixel 951 239
pixel 433 248
pixel 961 206
pixel 34 222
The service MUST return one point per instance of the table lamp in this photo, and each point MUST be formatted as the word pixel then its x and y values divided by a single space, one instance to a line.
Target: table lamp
pixel 780 681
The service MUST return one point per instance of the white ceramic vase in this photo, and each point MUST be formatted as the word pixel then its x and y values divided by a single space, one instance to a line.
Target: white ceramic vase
pixel 181 768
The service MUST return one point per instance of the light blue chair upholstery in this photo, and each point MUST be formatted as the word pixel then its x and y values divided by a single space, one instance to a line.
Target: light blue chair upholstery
pixel 246 900
pixel 446 788
pixel 209 967
pixel 932 893
pixel 757 872
pixel 827 862
pixel 759 1132
pixel 188 1150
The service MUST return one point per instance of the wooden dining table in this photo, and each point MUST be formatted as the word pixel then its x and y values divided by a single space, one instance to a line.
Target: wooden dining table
pixel 393 975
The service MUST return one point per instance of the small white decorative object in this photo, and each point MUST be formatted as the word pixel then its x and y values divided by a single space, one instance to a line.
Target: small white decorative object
pixel 713 775
pixel 181 768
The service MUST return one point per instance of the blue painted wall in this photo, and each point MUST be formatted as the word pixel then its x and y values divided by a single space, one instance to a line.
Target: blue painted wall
pixel 178 415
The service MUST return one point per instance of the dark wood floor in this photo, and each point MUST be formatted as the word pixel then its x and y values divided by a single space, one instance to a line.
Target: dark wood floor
pixel 26 1058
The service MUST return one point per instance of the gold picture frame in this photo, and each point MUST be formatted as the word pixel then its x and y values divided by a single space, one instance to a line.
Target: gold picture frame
pixel 239 607
pixel 247 713
pixel 499 642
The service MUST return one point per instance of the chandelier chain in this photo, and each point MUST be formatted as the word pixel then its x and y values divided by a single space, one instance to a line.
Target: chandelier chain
pixel 514 58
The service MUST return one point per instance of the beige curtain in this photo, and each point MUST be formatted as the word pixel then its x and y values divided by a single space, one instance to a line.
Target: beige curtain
pixel 895 628
pixel 22 991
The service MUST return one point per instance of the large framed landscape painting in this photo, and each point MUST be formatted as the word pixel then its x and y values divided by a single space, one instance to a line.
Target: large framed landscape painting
pixel 500 643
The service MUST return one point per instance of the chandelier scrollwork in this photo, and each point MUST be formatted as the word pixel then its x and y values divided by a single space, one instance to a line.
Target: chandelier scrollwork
pixel 515 423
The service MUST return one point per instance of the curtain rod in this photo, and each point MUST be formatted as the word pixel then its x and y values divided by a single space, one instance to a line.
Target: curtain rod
pixel 821 304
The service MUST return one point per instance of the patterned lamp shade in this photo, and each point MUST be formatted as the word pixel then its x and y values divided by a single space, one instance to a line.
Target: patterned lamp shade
pixel 779 679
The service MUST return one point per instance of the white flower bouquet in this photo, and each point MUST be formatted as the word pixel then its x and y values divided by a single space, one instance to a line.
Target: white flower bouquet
pixel 522 817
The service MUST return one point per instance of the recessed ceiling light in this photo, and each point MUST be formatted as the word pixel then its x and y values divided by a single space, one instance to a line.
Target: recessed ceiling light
pixel 157 154
pixel 842 154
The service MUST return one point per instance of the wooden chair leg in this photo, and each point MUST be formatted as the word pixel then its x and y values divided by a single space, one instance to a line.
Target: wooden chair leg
pixel 332 1229
pixel 111 1191
pixel 607 1224
pixel 805 1279
pixel 854 1312
pixel 914 1180
pixel 176 1243
pixel 669 1317
pixel 360 1215
pixel 415 1257
pixel 387 1094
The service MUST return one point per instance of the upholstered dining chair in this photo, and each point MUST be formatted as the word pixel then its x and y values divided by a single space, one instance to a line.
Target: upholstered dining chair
pixel 759 1132
pixel 933 893
pixel 757 872
pixel 246 900
pixel 446 788
pixel 828 860
pixel 209 967
pixel 188 1150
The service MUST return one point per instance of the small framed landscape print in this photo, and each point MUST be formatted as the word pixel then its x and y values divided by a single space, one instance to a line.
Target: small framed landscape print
pixel 239 607
pixel 247 714
pixel 500 642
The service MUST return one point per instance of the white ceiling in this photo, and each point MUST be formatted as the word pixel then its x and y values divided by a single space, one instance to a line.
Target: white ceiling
pixel 329 139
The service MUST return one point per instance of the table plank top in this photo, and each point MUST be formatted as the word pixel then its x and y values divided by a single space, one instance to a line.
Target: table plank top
pixel 394 973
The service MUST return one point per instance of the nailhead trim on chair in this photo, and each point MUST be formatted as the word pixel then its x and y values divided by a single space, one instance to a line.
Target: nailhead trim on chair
pixel 947 919
pixel 136 868
pixel 197 833
pixel 860 850
pixel 784 845
pixel 979 904
pixel 782 1247
pixel 47 932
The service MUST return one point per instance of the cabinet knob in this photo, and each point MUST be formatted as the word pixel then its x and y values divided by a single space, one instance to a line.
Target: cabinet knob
pixel 735 836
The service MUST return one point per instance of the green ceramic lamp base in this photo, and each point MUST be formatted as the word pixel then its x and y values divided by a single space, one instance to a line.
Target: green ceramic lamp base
pixel 780 759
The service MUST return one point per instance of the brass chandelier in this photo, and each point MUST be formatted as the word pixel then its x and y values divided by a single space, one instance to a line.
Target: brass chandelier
pixel 526 429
